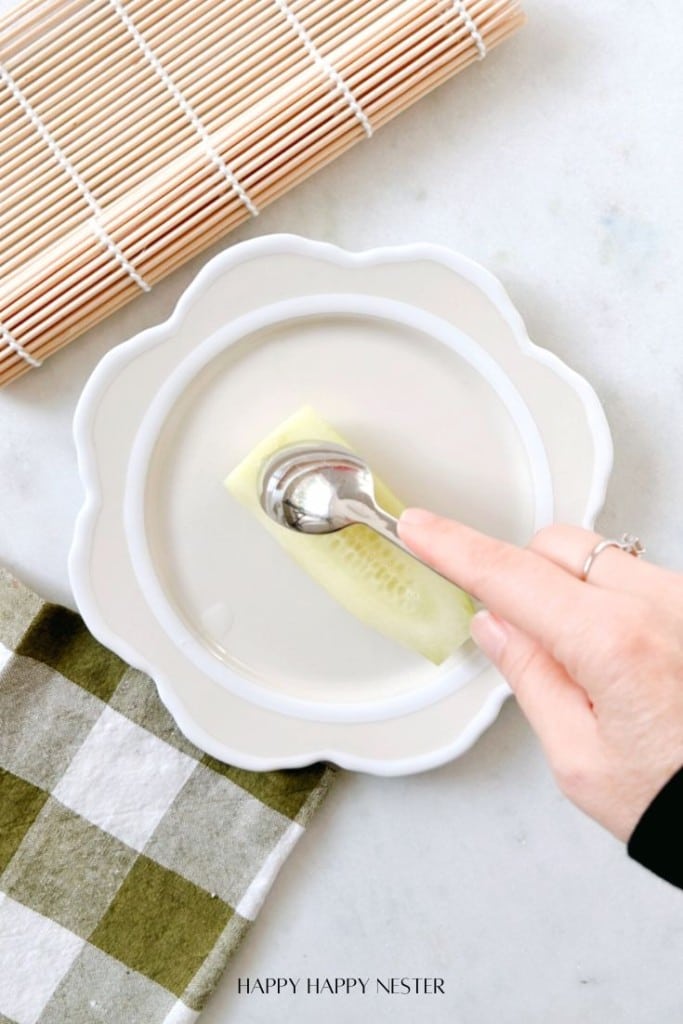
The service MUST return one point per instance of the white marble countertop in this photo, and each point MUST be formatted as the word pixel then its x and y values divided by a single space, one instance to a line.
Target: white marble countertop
pixel 557 163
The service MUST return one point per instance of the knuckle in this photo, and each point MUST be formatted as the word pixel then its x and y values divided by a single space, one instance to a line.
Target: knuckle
pixel 571 778
pixel 575 776
pixel 495 560
pixel 519 663
pixel 547 538
pixel 628 635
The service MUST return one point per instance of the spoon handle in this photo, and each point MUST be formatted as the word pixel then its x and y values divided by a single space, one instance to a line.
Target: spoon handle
pixel 385 525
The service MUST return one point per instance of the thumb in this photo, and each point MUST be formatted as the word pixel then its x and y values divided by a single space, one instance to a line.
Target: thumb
pixel 558 710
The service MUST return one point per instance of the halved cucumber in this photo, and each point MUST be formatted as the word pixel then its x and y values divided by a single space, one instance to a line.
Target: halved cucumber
pixel 375 581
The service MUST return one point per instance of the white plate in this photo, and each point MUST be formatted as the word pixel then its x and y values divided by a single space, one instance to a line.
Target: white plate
pixel 415 355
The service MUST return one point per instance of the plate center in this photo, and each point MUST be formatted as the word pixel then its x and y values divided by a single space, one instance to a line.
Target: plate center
pixel 427 423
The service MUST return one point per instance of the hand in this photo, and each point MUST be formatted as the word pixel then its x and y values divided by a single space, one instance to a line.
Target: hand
pixel 596 666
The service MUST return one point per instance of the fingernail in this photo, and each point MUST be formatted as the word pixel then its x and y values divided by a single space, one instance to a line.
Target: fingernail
pixel 489 633
pixel 416 517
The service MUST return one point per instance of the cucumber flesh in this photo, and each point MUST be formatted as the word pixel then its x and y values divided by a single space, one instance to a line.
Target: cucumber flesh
pixel 371 578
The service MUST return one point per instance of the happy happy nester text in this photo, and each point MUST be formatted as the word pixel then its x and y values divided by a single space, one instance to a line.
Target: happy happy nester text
pixel 341 986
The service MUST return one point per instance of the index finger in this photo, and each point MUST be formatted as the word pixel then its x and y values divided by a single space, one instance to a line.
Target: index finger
pixel 517 584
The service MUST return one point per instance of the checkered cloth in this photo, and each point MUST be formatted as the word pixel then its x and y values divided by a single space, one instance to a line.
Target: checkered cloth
pixel 130 862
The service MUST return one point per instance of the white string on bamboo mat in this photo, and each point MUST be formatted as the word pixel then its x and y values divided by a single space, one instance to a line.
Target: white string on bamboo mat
pixel 185 106
pixel 325 66
pixel 66 165
pixel 471 26
pixel 16 346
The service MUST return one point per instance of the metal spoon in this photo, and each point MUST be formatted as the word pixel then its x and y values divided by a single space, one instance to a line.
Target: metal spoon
pixel 317 488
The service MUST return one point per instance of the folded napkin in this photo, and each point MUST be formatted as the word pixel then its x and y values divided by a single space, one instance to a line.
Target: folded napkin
pixel 131 863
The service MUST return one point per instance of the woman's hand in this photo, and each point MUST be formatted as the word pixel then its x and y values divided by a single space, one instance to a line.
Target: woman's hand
pixel 596 666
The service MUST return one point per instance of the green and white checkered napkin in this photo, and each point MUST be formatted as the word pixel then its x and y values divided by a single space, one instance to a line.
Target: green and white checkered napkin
pixel 131 863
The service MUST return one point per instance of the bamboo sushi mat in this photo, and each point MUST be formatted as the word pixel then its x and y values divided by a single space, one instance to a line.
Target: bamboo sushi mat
pixel 134 133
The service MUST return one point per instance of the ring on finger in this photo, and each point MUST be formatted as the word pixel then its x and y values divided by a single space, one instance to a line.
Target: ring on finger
pixel 628 543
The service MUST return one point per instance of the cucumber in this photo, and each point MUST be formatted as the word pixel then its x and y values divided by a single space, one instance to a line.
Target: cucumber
pixel 375 581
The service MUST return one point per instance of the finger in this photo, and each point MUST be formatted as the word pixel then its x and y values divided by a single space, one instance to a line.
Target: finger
pixel 558 710
pixel 612 569
pixel 519 585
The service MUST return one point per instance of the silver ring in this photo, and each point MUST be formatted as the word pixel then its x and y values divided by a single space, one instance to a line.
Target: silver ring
pixel 628 543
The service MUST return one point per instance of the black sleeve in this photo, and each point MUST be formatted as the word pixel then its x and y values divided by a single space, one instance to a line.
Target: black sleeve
pixel 657 842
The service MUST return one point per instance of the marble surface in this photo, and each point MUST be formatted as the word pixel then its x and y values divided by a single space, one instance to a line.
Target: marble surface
pixel 557 164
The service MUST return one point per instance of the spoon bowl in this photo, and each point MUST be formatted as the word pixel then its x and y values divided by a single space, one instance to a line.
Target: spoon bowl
pixel 316 487
pixel 306 486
